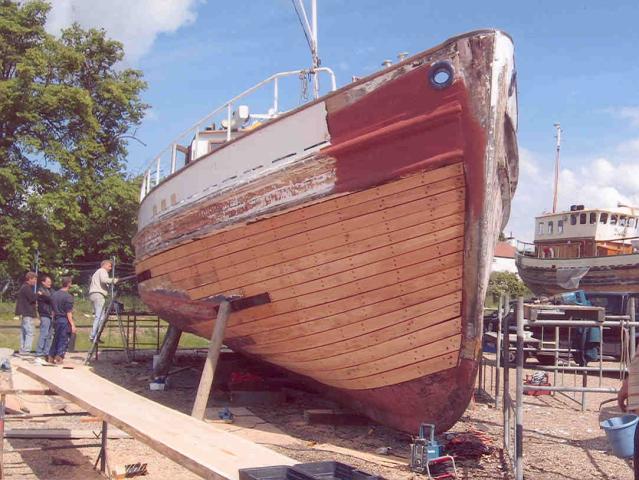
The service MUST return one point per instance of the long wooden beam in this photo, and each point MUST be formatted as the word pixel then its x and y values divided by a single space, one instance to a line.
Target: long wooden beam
pixel 201 447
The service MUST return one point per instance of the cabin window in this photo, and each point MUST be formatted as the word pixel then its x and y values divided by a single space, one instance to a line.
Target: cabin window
pixel 613 219
pixel 573 219
pixel 632 222
pixel 550 227
pixel 582 218
pixel 540 228
pixel 560 226
pixel 593 217
pixel 603 218
pixel 622 221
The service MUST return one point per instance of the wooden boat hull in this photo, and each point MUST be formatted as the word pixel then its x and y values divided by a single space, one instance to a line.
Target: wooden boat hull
pixel 550 276
pixel 372 249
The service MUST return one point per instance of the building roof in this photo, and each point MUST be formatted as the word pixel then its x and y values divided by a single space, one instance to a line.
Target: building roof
pixel 505 250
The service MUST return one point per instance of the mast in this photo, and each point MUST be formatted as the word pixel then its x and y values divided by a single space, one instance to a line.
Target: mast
pixel 310 31
pixel 556 187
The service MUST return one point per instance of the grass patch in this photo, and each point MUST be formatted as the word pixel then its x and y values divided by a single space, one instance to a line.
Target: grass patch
pixel 146 333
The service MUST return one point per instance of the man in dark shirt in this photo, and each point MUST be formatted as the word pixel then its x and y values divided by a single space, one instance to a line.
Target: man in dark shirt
pixel 46 314
pixel 26 309
pixel 63 325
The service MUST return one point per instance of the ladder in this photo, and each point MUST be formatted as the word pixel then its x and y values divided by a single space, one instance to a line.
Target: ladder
pixel 112 307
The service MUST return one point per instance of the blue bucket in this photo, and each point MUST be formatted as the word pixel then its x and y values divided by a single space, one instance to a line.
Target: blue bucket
pixel 621 434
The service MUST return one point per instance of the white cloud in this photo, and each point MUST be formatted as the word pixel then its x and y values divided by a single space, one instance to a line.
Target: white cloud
pixel 628 113
pixel 134 23
pixel 598 182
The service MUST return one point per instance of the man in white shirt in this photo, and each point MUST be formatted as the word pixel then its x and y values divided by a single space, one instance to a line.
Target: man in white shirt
pixel 98 291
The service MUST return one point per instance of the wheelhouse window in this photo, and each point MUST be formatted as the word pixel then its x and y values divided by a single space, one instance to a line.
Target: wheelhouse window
pixel 582 218
pixel 632 222
pixel 593 217
pixel 613 219
pixel 603 218
pixel 540 228
pixel 573 219
pixel 560 226
pixel 622 221
pixel 550 228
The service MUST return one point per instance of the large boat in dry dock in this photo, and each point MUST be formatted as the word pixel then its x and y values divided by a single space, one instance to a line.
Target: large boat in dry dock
pixel 360 226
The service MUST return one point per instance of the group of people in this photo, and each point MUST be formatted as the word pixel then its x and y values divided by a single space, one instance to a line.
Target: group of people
pixel 55 309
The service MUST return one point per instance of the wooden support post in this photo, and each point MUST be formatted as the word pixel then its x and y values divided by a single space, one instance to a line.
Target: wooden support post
pixel 167 351
pixel 2 403
pixel 206 381
pixel 105 436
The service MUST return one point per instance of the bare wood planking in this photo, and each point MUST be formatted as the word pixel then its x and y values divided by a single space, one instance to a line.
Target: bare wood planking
pixel 315 333
pixel 370 270
pixel 247 327
pixel 386 364
pixel 300 214
pixel 371 331
pixel 399 375
pixel 352 292
pixel 327 274
pixel 392 240
pixel 408 341
pixel 248 247
pixel 349 231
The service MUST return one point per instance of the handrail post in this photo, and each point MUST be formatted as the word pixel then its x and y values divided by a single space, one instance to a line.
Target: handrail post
pixel 275 95
pixel 148 181
pixel 228 119
pixel 173 157
pixel 196 143
pixel 157 171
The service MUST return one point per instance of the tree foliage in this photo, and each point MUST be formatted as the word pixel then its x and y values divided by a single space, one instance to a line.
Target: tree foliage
pixel 506 282
pixel 66 108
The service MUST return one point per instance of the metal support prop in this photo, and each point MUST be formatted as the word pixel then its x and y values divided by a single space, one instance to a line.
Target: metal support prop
pixel 632 313
pixel 3 399
pixel 500 316
pixel 206 381
pixel 506 403
pixel 102 456
pixel 519 412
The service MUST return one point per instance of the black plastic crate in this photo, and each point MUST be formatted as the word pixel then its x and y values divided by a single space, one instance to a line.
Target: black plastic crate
pixel 333 471
pixel 280 472
pixel 307 471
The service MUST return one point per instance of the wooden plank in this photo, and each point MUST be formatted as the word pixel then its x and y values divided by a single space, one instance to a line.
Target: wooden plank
pixel 61 434
pixel 302 214
pixel 403 374
pixel 433 341
pixel 202 448
pixel 356 337
pixel 391 240
pixel 449 280
pixel 338 300
pixel 315 333
pixel 252 246
pixel 338 259
pixel 309 243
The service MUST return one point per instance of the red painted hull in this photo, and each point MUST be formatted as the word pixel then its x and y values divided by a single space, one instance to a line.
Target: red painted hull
pixel 375 293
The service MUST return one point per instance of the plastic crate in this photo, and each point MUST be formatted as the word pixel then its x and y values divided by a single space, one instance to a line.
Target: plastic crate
pixel 307 471
pixel 333 471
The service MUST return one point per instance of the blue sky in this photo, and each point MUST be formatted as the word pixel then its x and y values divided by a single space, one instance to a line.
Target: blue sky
pixel 576 62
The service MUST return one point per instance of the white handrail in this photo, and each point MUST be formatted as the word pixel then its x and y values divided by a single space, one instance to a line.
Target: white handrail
pixel 228 105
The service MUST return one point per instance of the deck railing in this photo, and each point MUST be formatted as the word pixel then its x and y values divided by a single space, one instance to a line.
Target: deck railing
pixel 166 162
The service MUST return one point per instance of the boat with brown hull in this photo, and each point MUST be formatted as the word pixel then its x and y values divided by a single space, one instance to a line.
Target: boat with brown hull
pixel 358 229
pixel 595 250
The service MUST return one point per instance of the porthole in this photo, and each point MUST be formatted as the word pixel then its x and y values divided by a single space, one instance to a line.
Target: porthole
pixel 441 75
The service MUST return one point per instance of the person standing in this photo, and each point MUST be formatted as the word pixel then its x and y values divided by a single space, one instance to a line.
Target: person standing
pixel 98 291
pixel 63 324
pixel 26 309
pixel 46 315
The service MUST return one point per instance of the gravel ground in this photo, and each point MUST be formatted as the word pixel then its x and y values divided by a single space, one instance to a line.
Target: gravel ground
pixel 560 441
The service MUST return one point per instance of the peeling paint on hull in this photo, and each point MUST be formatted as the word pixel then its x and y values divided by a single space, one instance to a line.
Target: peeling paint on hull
pixel 350 237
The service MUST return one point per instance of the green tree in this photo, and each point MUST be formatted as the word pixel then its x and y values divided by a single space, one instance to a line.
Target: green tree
pixel 66 110
pixel 506 282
